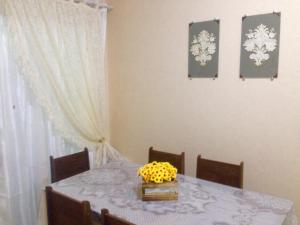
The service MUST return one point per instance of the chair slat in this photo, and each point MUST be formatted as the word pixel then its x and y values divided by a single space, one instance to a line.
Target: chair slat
pixel 220 172
pixel 64 210
pixel 176 160
pixel 70 165
pixel 109 219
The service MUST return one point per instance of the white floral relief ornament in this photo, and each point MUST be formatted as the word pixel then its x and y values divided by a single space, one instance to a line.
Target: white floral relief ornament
pixel 203 47
pixel 260 42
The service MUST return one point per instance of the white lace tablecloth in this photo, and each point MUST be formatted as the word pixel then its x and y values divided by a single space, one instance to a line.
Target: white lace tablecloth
pixel 115 187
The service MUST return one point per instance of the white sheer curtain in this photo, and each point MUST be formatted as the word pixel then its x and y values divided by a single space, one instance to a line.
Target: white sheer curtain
pixel 60 48
pixel 26 141
pixel 58 105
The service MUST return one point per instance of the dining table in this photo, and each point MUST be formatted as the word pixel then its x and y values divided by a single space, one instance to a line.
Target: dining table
pixel 116 186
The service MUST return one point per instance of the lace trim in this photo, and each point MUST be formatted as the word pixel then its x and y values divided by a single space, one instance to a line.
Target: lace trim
pixel 291 218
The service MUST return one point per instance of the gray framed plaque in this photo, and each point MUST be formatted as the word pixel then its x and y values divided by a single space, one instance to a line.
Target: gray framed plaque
pixel 204 49
pixel 260 46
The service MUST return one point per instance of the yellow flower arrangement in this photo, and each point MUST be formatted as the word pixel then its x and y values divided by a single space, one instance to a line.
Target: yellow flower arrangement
pixel 158 172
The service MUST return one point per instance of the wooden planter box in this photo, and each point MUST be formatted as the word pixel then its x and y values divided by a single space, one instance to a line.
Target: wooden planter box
pixel 160 192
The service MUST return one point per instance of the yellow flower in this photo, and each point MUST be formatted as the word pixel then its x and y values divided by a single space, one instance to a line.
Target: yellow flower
pixel 158 172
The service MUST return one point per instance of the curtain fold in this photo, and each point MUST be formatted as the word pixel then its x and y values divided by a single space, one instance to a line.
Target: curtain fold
pixel 60 48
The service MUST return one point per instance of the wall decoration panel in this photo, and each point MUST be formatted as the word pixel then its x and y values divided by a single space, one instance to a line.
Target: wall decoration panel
pixel 260 46
pixel 204 49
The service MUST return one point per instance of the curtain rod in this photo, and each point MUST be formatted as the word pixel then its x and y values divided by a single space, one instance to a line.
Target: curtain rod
pixel 94 5
pixel 105 6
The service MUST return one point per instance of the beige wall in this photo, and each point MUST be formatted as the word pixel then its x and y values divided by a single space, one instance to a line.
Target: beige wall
pixel 154 103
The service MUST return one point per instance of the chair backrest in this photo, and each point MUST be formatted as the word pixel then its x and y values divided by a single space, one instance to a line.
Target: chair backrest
pixel 109 219
pixel 70 165
pixel 63 210
pixel 220 172
pixel 174 159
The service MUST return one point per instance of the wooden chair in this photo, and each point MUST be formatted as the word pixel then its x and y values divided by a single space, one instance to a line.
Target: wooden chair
pixel 109 219
pixel 174 159
pixel 63 210
pixel 70 165
pixel 220 172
